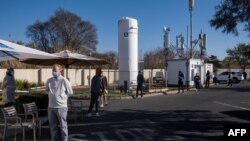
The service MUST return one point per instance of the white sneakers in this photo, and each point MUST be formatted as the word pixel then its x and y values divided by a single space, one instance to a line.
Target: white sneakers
pixel 101 106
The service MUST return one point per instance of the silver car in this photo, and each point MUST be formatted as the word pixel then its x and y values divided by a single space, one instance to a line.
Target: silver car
pixel 223 77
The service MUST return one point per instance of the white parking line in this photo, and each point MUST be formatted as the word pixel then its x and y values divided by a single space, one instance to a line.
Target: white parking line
pixel 229 105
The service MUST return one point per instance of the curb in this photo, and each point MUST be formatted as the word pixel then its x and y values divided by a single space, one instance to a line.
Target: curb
pixel 176 91
pixel 172 92
pixel 131 97
pixel 119 97
pixel 153 94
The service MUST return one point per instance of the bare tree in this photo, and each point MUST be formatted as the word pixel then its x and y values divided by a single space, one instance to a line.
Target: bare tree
pixel 111 57
pixel 156 58
pixel 64 30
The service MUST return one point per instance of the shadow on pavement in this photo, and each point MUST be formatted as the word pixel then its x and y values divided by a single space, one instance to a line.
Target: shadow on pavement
pixel 240 114
pixel 149 125
pixel 236 88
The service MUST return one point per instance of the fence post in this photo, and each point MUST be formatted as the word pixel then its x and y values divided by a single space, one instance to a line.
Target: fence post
pixel 39 76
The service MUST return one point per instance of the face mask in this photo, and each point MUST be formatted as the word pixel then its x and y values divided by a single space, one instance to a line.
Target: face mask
pixel 55 74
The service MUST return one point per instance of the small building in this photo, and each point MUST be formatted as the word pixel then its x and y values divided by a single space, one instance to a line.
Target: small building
pixel 189 68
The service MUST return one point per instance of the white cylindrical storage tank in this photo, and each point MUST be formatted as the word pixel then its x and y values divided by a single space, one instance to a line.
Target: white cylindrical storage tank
pixel 128 50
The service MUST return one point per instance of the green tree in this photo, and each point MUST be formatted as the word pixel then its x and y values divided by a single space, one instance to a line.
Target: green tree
pixel 229 14
pixel 228 62
pixel 240 55
pixel 214 60
pixel 63 30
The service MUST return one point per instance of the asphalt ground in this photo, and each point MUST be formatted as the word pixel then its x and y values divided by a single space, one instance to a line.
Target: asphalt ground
pixel 192 116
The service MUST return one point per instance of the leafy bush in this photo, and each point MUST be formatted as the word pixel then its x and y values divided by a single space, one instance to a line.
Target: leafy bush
pixel 1 104
pixel 25 85
pixel 41 101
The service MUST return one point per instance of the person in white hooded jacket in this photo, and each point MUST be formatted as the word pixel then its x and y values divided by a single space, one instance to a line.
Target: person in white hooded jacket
pixel 9 87
pixel 59 89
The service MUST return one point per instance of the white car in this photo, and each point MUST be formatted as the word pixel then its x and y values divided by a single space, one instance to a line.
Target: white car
pixel 159 77
pixel 223 77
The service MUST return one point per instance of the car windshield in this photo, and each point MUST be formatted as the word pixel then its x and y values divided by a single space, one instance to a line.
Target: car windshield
pixel 239 73
pixel 224 73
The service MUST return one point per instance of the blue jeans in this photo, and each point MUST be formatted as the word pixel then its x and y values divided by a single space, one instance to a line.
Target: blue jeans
pixel 58 123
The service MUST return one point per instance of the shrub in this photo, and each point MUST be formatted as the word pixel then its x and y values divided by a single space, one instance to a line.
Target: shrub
pixel 1 104
pixel 25 85
pixel 41 101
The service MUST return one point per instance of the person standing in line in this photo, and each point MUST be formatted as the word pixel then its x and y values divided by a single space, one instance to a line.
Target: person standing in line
pixel 197 81
pixel 95 92
pixel 59 89
pixel 9 87
pixel 104 91
pixel 215 78
pixel 180 82
pixel 140 81
pixel 208 76
pixel 245 75
pixel 230 80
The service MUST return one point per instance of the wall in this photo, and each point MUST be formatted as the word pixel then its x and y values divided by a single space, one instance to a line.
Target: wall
pixel 80 76
pixel 174 66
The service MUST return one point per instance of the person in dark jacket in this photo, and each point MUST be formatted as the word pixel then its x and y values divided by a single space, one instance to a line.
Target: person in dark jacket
pixel 180 82
pixel 208 76
pixel 197 81
pixel 230 80
pixel 9 87
pixel 95 92
pixel 245 75
pixel 140 81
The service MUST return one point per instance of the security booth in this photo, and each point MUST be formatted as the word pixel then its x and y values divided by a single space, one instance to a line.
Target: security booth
pixel 189 67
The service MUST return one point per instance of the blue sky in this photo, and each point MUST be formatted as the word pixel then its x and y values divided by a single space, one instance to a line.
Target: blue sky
pixel 152 15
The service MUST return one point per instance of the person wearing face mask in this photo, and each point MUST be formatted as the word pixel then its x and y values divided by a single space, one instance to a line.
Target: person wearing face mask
pixel 9 88
pixel 59 89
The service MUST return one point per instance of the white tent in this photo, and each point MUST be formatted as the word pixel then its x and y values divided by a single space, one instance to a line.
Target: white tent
pixel 13 51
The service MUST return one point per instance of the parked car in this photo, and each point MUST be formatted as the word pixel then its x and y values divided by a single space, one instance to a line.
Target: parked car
pixel 159 77
pixel 223 77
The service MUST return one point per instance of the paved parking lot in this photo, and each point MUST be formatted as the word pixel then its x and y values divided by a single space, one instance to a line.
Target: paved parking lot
pixel 192 116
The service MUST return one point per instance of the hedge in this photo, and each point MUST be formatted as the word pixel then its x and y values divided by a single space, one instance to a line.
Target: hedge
pixel 41 101
pixel 25 84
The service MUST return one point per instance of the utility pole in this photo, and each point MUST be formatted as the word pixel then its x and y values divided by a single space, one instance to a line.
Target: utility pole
pixel 166 45
pixel 191 7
